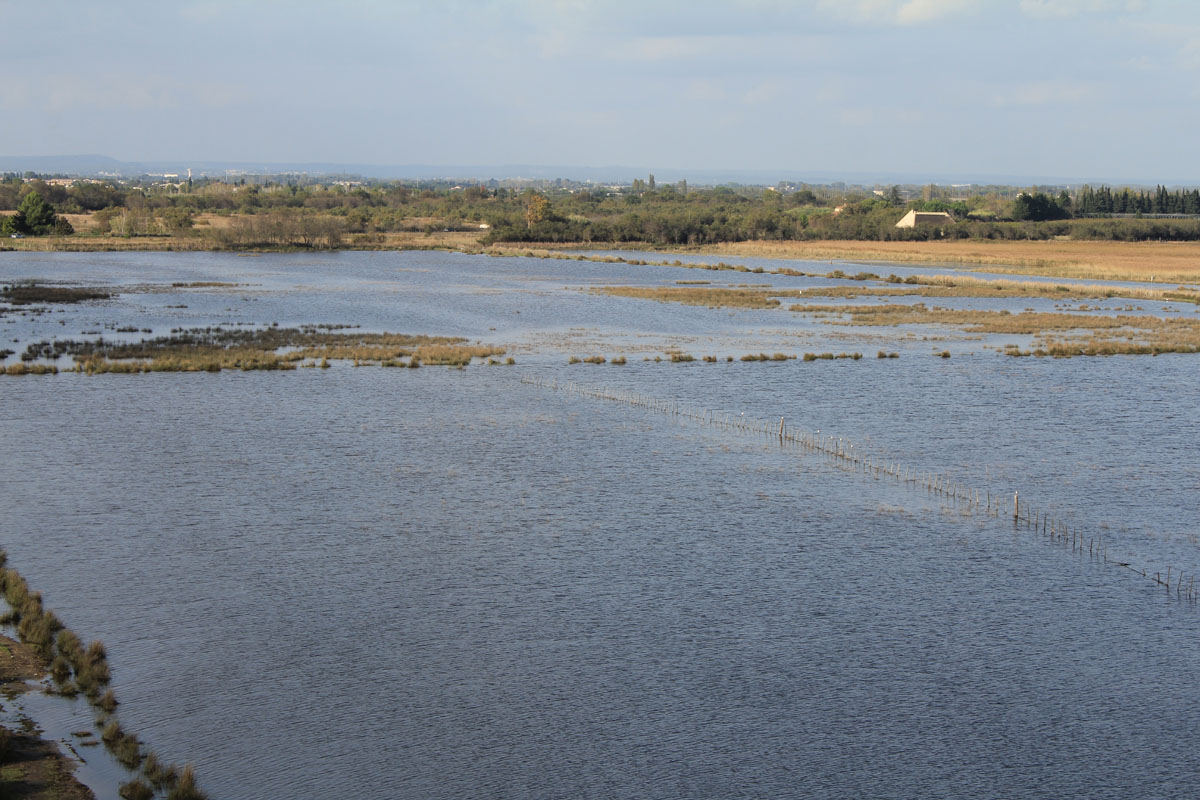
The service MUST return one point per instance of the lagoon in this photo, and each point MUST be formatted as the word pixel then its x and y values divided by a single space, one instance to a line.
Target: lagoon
pixel 444 583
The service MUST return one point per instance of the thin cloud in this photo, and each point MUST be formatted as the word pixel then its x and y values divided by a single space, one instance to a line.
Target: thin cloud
pixel 764 92
pixel 1061 9
pixel 62 94
pixel 894 12
pixel 1044 93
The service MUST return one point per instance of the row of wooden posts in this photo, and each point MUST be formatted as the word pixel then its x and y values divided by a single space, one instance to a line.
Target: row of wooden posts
pixel 844 454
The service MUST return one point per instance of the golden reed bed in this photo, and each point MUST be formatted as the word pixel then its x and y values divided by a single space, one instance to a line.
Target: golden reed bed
pixel 1173 262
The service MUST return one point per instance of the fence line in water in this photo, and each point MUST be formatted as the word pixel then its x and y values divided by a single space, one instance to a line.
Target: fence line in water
pixel 842 453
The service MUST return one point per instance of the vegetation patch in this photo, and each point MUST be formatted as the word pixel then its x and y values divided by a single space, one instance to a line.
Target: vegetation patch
pixel 831 356
pixel 767 357
pixel 967 286
pixel 23 294
pixel 47 644
pixel 1149 260
pixel 711 298
pixel 215 349
pixel 1057 332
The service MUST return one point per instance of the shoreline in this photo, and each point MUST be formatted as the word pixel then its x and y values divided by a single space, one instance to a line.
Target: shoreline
pixel 33 766
pixel 1153 262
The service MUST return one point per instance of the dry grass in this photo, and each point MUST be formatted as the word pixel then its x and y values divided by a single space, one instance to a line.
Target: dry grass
pixel 216 349
pixel 21 368
pixel 711 298
pixel 767 357
pixel 454 355
pixel 966 286
pixel 105 243
pixel 1107 335
pixel 1172 262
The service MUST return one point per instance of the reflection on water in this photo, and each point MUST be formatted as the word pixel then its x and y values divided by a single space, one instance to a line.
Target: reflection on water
pixel 440 583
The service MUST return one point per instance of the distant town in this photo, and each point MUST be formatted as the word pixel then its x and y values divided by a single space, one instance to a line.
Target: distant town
pixel 298 209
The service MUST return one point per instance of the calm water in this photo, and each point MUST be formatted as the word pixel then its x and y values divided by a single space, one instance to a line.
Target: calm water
pixel 440 584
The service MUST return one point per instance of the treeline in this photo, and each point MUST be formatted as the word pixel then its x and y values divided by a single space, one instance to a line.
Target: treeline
pixel 1104 201
pixel 311 215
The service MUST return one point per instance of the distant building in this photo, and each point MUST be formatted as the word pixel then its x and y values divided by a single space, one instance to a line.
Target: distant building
pixel 914 219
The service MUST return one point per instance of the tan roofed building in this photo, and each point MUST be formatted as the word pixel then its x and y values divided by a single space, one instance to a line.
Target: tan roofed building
pixel 916 218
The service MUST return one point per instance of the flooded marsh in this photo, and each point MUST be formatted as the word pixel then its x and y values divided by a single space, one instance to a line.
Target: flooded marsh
pixel 443 583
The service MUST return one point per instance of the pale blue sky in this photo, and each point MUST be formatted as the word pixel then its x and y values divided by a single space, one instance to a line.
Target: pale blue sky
pixel 1071 88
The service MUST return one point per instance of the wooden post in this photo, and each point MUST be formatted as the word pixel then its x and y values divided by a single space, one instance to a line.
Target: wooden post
pixel 1016 505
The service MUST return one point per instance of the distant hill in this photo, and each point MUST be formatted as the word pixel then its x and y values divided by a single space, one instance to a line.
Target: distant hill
pixel 94 165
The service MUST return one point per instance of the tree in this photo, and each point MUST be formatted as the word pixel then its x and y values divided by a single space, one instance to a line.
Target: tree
pixel 893 195
pixel 175 220
pixel 1037 207
pixel 535 208
pixel 35 216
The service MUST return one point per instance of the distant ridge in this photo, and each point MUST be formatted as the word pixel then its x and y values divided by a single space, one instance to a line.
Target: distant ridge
pixel 93 165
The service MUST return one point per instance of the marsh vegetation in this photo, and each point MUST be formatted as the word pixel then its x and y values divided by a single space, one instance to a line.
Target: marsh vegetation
pixel 694 296
pixel 75 669
pixel 24 294
pixel 1106 335
pixel 273 348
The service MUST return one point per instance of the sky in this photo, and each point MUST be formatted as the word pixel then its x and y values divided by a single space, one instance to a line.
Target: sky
pixel 1059 88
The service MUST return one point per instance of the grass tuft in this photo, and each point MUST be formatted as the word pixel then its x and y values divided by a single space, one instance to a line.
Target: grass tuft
pixel 185 788
pixel 136 789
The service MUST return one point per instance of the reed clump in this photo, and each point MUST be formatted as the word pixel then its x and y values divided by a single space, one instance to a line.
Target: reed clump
pixel 70 648
pixel 136 789
pixel 619 361
pixel 454 355
pixel 767 357
pixel 111 732
pixel 22 368
pixel 60 669
pixel 107 702
pixel 161 776
pixel 127 749
pixel 185 787
pixel 831 356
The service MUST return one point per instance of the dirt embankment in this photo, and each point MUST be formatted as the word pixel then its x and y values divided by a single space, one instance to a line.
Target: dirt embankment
pixel 31 767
